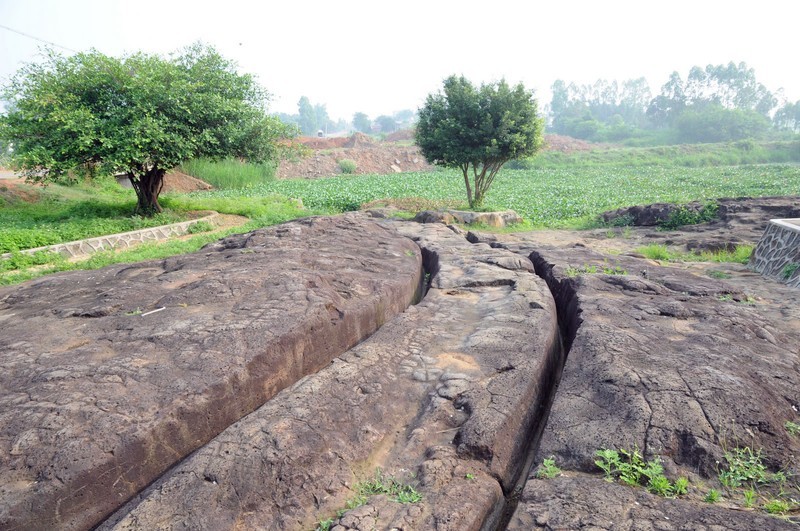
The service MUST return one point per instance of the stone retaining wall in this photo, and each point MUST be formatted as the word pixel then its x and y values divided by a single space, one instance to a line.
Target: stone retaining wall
pixel 777 254
pixel 122 240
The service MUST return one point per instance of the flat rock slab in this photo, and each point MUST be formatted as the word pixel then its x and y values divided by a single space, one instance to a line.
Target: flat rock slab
pixel 110 377
pixel 679 366
pixel 445 397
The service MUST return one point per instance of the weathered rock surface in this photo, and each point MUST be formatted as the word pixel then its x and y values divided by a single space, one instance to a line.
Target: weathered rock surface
pixel 490 219
pixel 447 392
pixel 110 377
pixel 680 366
pixel 591 503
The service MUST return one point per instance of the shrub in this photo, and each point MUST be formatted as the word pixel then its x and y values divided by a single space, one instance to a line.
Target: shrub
pixel 347 166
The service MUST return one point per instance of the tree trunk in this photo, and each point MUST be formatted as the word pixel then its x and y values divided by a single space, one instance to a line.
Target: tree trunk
pixel 148 186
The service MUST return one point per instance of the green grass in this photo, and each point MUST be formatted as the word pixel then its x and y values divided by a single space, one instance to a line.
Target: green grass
pixel 229 173
pixel 740 255
pixel 548 469
pixel 555 197
pixel 22 267
pixel 683 155
pixel 73 213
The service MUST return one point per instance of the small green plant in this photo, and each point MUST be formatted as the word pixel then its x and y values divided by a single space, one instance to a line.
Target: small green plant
pixel 686 216
pixel 137 311
pixel 789 270
pixel 718 274
pixel 200 226
pixel 725 298
pixel 712 496
pixel 777 506
pixel 749 497
pixel 656 251
pixel 792 427
pixel 744 466
pixel 347 166
pixel 469 476
pixel 548 469
pixel 324 525
pixel 631 469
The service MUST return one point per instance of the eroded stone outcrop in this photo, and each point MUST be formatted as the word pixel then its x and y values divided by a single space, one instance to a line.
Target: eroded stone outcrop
pixel 110 377
pixel 444 396
pixel 679 366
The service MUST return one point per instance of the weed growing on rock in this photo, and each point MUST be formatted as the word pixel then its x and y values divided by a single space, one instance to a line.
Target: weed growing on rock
pixel 712 496
pixel 792 427
pixel 548 469
pixel 789 270
pixel 573 272
pixel 685 216
pixel 396 490
pixel 777 506
pixel 744 466
pixel 631 469
pixel 718 274
pixel 749 497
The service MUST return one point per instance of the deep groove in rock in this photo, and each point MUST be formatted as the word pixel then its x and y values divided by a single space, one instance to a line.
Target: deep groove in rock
pixel 568 313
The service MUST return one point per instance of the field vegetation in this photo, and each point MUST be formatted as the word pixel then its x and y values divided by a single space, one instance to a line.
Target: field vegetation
pixel 554 192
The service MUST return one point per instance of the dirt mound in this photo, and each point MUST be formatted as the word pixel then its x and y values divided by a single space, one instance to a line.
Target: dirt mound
pixel 370 156
pixel 313 142
pixel 567 144
pixel 398 136
pixel 175 181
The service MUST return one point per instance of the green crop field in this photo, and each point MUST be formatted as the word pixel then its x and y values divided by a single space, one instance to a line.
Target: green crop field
pixel 545 197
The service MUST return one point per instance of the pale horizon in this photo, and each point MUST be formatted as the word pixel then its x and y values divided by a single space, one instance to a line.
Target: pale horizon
pixel 378 58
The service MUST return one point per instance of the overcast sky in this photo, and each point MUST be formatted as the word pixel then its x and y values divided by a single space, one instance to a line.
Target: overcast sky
pixel 379 57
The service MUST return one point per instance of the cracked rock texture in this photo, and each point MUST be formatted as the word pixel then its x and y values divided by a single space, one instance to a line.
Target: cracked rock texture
pixel 682 367
pixel 442 397
pixel 100 396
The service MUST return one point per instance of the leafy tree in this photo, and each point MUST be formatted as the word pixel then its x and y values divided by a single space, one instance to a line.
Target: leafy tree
pixel 787 117
pixel 386 123
pixel 141 115
pixel 362 122
pixel 307 118
pixel 478 130
pixel 715 123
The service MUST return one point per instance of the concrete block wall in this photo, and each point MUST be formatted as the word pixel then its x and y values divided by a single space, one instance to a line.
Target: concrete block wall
pixel 777 254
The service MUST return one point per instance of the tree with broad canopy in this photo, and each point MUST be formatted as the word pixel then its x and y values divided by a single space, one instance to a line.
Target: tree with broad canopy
pixel 478 130
pixel 140 114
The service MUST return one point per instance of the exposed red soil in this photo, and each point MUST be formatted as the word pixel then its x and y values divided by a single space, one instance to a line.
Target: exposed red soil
pixel 393 154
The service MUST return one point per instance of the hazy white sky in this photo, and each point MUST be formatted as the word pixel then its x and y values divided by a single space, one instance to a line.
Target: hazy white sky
pixel 380 57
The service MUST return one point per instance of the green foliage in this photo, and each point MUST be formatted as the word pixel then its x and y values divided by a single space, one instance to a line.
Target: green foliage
pixel 592 269
pixel 396 490
pixel 56 220
pixel 200 226
pixel 792 427
pixel 478 130
pixel 686 216
pixel 140 114
pixel 714 123
pixel 347 166
pixel 362 122
pixel 555 197
pixel 743 466
pixel 324 525
pixel 229 173
pixel 789 270
pixel 777 506
pixel 631 469
pixel 713 496
pixel 548 469
pixel 749 497
pixel 739 255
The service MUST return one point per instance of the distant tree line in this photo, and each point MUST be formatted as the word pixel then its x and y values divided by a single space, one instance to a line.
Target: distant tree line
pixel 312 118
pixel 384 123
pixel 713 104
